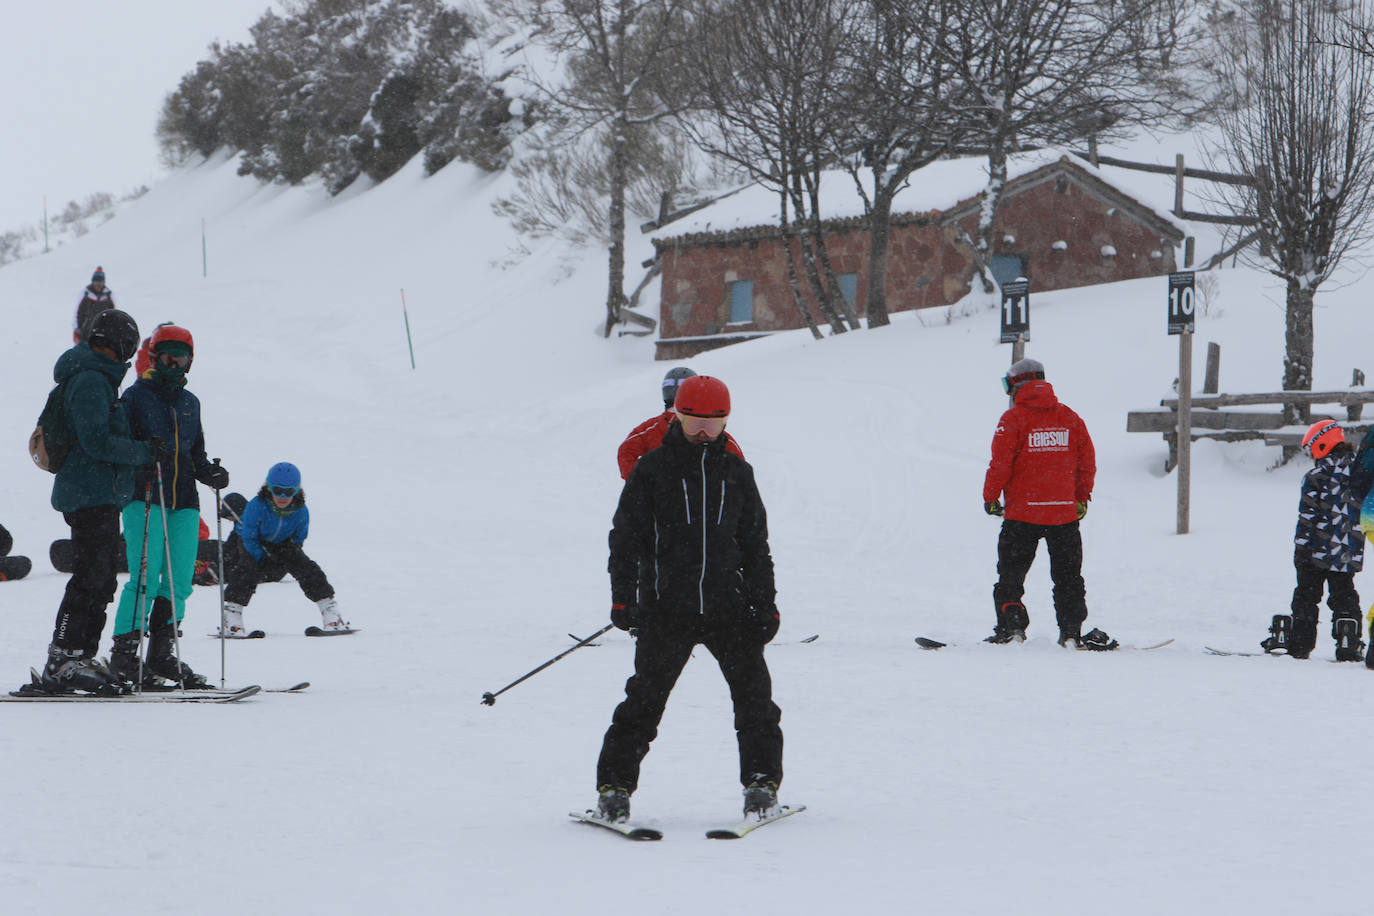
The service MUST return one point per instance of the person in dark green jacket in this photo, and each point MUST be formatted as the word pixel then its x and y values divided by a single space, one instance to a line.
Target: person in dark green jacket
pixel 95 481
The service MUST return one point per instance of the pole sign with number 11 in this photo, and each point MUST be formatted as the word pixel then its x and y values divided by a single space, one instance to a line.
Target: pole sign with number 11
pixel 1015 311
pixel 1181 310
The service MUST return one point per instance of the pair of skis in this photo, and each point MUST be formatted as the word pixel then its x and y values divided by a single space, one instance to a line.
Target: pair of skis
pixel 748 825
pixel 167 693
pixel 309 631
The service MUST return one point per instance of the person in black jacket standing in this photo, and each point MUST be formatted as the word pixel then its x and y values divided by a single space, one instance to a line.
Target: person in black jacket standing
pixel 691 510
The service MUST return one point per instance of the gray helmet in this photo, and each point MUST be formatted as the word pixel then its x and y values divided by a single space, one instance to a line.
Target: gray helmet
pixel 1021 372
pixel 674 378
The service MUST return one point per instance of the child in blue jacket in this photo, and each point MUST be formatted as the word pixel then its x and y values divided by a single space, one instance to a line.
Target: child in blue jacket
pixel 269 541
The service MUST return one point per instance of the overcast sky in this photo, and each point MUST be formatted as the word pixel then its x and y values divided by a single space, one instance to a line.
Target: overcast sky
pixel 81 84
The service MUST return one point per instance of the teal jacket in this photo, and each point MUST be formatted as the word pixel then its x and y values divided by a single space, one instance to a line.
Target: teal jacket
pixel 99 470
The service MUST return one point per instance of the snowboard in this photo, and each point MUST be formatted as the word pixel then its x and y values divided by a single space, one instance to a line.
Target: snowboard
pixel 14 568
pixel 932 644
pixel 60 556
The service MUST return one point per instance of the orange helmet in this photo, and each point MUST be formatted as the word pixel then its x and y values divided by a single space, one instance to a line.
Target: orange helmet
pixel 1321 437
pixel 703 396
pixel 167 333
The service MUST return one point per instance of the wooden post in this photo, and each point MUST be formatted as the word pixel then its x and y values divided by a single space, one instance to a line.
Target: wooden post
pixel 1212 377
pixel 1354 410
pixel 1018 349
pixel 1189 251
pixel 1178 185
pixel 1185 425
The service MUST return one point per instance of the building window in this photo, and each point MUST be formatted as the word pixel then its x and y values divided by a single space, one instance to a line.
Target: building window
pixel 741 301
pixel 849 287
pixel 1007 267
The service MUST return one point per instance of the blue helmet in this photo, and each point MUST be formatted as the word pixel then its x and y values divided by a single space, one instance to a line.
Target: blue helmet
pixel 284 474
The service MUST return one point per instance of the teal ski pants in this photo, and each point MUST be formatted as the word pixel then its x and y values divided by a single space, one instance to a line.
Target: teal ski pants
pixel 183 529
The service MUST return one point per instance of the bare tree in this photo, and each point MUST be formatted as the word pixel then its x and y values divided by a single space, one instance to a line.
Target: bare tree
pixel 902 95
pixel 1048 71
pixel 1304 128
pixel 768 72
pixel 620 54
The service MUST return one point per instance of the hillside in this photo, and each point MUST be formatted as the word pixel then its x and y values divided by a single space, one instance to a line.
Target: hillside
pixel 461 511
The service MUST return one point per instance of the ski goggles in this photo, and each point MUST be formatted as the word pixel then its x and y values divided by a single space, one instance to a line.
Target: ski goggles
pixel 692 426
pixel 167 359
pixel 283 492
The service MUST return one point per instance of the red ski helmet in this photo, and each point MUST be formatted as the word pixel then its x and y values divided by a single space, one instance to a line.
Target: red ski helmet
pixel 171 333
pixel 1321 437
pixel 703 396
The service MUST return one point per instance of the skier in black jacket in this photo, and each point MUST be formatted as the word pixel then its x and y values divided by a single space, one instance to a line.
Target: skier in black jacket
pixel 691 509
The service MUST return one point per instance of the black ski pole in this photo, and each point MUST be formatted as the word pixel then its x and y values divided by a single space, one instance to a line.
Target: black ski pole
pixel 489 699
pixel 141 592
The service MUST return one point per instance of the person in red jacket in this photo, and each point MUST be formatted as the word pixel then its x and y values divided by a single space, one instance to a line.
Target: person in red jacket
pixel 648 435
pixel 1043 464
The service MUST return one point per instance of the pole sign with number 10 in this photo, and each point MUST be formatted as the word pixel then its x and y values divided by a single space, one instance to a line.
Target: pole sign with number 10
pixel 1015 311
pixel 1181 302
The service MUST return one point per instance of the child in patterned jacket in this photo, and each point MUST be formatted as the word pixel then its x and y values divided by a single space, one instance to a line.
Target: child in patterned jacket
pixel 1328 551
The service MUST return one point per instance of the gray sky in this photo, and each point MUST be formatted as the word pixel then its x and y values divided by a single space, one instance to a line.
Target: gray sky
pixel 81 84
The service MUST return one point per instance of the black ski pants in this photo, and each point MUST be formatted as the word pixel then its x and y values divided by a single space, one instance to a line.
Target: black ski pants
pixel 1341 598
pixel 243 574
pixel 661 652
pixel 96 554
pixel 1016 548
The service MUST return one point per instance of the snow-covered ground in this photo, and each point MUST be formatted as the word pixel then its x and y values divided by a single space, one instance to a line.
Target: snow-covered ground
pixel 461 511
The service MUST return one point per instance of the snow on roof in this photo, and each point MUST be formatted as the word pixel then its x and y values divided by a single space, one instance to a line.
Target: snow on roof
pixel 938 187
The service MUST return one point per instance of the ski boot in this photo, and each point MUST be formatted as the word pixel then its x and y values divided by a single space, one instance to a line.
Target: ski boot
pixel 162 654
pixel 1280 634
pixel 613 804
pixel 1346 632
pixel 1012 621
pixel 329 614
pixel 761 795
pixel 233 621
pixel 124 661
pixel 69 670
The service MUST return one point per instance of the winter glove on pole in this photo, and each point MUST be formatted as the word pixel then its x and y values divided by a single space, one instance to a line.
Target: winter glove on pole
pixel 626 617
pixel 994 508
pixel 214 476
pixel 1082 510
pixel 160 454
pixel 765 622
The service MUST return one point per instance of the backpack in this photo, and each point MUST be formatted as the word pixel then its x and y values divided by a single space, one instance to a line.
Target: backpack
pixel 52 439
pixel 1362 470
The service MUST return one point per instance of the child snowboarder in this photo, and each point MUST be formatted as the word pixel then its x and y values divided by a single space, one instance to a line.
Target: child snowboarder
pixel 1329 550
pixel 267 541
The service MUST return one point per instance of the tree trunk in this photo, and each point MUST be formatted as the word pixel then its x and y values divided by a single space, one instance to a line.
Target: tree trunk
pixel 1297 359
pixel 879 236
pixel 992 196
pixel 794 283
pixel 615 283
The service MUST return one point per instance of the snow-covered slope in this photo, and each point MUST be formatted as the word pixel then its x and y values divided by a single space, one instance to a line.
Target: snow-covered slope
pixel 461 511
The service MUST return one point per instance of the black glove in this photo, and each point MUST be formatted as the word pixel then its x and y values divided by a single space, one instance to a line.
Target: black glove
pixel 993 508
pixel 764 622
pixel 160 454
pixel 214 476
pixel 1081 509
pixel 626 616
